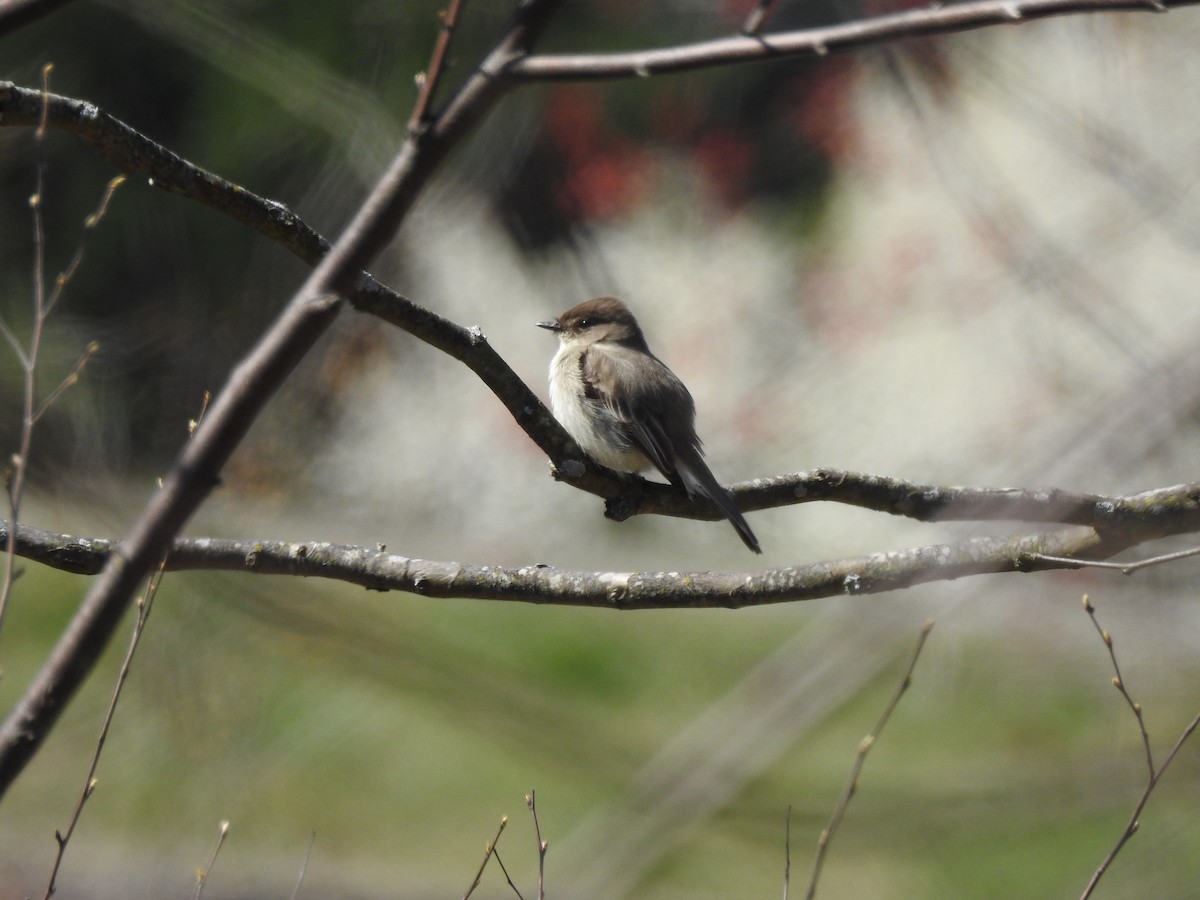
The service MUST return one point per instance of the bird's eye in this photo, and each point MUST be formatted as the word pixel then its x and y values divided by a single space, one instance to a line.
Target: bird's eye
pixel 585 323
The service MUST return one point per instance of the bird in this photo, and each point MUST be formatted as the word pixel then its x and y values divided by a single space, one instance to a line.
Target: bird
pixel 625 408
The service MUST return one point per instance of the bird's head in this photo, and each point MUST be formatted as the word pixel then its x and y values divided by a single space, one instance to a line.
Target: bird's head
pixel 598 319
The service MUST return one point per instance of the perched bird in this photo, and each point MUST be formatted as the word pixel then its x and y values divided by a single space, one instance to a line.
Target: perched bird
pixel 624 407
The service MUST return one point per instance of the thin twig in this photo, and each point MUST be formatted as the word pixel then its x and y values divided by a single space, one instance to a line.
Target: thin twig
pixel 489 851
pixel 1127 568
pixel 90 222
pixel 864 747
pixel 428 80
pixel 1155 775
pixel 1134 822
pixel 31 409
pixel 193 424
pixel 304 868
pixel 503 868
pixel 531 802
pixel 202 874
pixel 1119 684
pixel 787 851
pixel 14 479
pixel 144 604
pixel 14 342
pixel 70 381
pixel 757 16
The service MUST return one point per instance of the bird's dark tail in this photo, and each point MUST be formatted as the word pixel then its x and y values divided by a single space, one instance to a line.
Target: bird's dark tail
pixel 697 479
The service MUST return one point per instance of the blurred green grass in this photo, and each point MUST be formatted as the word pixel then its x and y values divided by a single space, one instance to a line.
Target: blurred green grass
pixel 400 729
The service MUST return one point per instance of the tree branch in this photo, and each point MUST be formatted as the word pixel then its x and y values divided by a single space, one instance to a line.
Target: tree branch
pixel 815 42
pixel 340 273
pixel 428 80
pixel 133 153
pixel 379 570
pixel 137 155
pixel 251 384
pixel 1176 508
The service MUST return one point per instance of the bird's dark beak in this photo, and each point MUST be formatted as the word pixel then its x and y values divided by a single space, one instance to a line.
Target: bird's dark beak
pixel 552 325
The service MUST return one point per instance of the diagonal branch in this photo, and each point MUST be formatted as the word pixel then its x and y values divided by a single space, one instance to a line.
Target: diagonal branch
pixel 131 152
pixel 251 384
pixel 135 154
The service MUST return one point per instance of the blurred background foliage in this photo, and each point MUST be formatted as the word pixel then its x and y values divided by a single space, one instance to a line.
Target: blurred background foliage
pixel 964 260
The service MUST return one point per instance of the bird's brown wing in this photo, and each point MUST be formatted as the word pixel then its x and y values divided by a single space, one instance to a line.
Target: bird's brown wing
pixel 642 397
pixel 652 404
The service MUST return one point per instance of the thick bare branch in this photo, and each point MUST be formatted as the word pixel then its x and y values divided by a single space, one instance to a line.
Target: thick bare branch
pixel 133 153
pixel 382 571
pixel 1154 509
pixel 1124 520
pixel 816 42
pixel 251 384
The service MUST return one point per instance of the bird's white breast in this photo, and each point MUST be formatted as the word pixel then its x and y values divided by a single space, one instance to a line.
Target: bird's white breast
pixel 595 427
